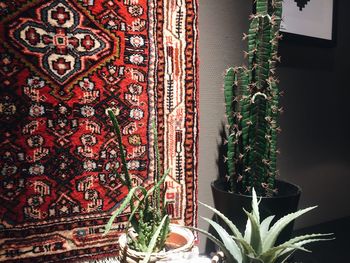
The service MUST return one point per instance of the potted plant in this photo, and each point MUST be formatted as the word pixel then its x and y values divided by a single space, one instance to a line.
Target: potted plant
pixel 252 108
pixel 258 242
pixel 149 236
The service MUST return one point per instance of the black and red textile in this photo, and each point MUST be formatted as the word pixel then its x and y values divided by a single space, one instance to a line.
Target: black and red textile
pixel 62 64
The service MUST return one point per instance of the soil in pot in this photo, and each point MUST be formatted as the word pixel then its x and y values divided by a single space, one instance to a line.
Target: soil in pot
pixel 174 241
pixel 179 245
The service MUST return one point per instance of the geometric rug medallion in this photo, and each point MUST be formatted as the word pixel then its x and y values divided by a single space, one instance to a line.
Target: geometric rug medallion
pixel 62 64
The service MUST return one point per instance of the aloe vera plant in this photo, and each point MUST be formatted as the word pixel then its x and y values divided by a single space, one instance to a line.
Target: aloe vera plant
pixel 148 216
pixel 252 106
pixel 257 243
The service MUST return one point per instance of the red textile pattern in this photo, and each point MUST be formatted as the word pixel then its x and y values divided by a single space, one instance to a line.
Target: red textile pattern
pixel 62 64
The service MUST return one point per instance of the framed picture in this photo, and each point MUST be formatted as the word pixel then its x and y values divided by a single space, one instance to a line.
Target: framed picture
pixel 309 21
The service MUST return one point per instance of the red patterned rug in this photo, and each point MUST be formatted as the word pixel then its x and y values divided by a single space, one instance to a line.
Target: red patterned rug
pixel 62 63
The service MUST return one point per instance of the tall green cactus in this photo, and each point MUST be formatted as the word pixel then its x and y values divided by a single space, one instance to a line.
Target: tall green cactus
pixel 251 99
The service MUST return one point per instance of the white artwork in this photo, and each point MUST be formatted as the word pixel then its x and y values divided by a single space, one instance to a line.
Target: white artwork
pixel 313 18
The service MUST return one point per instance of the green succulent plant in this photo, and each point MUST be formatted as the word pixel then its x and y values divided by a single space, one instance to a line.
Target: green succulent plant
pixel 148 216
pixel 257 243
pixel 252 106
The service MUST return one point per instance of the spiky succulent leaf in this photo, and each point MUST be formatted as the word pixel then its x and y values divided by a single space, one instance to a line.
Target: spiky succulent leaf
pixel 154 238
pixel 248 231
pixel 290 246
pixel 258 242
pixel 229 96
pixel 252 42
pixel 306 239
pixel 276 229
pixel 164 232
pixel 146 194
pixel 247 249
pixel 272 254
pixel 277 5
pixel 227 240
pixel 297 239
pixel 122 206
pixel 271 151
pixel 244 107
pixel 265 225
pixel 263 52
pixel 255 206
pixel 149 204
pixel 237 236
pixel 237 110
pixel 261 6
pixel 255 238
pixel 221 246
pixel 251 148
pixel 158 184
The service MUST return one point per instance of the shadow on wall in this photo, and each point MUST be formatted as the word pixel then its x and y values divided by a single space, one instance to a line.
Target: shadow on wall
pixel 222 152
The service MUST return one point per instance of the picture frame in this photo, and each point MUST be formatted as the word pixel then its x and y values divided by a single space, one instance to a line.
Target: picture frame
pixel 309 22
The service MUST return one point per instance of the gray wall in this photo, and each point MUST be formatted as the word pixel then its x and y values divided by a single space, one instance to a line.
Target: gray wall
pixel 221 25
pixel 316 125
pixel 314 142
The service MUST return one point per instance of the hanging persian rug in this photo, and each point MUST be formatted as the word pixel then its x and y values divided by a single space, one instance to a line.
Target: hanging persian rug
pixel 62 64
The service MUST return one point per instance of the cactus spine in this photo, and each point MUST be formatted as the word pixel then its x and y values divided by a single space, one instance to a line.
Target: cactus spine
pixel 251 99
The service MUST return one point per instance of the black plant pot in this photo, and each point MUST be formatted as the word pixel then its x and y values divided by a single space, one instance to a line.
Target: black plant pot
pixel 231 204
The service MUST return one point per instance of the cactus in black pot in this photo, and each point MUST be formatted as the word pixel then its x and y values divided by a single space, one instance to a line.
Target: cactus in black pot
pixel 252 106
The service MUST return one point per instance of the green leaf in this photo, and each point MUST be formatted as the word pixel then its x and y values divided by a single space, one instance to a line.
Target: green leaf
pixel 307 236
pixel 164 202
pixel 228 92
pixel 255 206
pixel 287 256
pixel 263 51
pixel 265 225
pixel 246 247
pixel 137 206
pixel 230 77
pixel 156 196
pixel 289 247
pixel 229 243
pixel 248 231
pixel 305 239
pixel 261 6
pixel 121 208
pixel 146 194
pixel 272 254
pixel 159 183
pixel 135 224
pixel 221 246
pixel 153 241
pixel 276 229
pixel 253 259
pixel 304 242
pixel 255 238
pixel 165 232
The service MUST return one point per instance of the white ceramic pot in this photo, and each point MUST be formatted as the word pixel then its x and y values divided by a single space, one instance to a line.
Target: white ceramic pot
pixel 180 254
